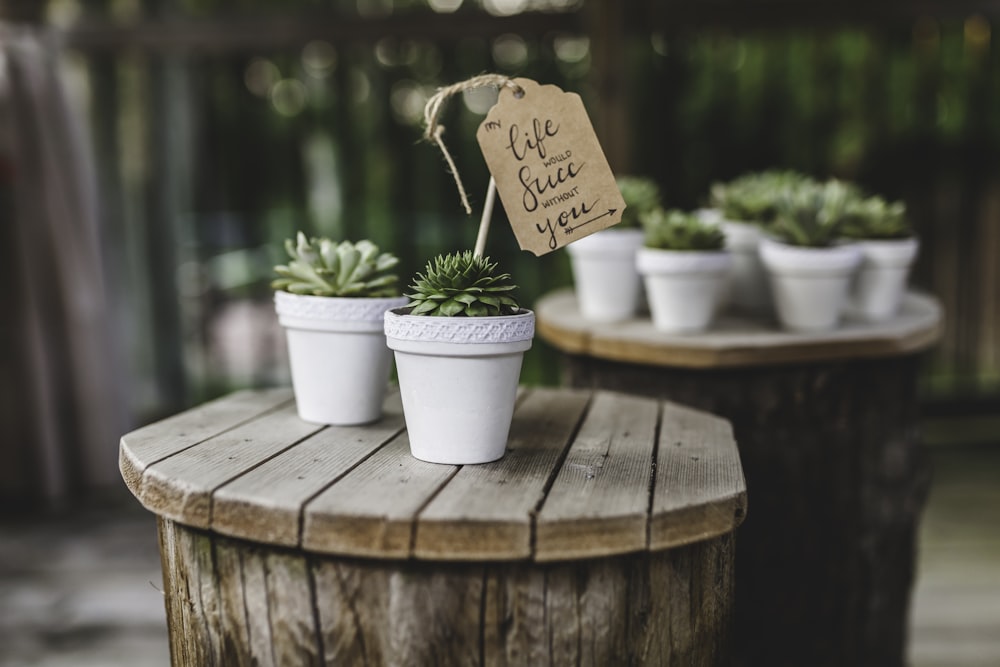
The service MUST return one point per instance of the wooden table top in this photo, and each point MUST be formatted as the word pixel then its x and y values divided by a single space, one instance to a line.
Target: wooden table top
pixel 586 474
pixel 735 340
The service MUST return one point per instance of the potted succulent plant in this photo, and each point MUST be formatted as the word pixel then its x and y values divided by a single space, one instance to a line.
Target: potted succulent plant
pixel 888 250
pixel 330 298
pixel 608 288
pixel 459 343
pixel 809 269
pixel 685 267
pixel 746 207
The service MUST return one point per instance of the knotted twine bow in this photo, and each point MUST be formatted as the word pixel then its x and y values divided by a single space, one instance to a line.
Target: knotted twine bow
pixel 433 130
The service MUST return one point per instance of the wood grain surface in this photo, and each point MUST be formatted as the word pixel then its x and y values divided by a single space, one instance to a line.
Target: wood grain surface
pixel 586 474
pixel 735 340
pixel 235 603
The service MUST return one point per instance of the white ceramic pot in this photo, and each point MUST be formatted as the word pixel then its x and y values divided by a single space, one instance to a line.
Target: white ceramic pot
pixel 338 356
pixel 683 288
pixel 809 285
pixel 748 284
pixel 881 280
pixel 458 381
pixel 608 287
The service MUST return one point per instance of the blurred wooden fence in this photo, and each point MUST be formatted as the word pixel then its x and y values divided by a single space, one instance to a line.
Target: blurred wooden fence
pixel 221 129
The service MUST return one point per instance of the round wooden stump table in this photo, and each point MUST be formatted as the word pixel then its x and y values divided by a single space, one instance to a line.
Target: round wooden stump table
pixel 603 537
pixel 826 425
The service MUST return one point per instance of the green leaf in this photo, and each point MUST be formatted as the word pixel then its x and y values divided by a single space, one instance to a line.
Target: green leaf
pixel 477 310
pixel 422 307
pixel 349 258
pixel 450 308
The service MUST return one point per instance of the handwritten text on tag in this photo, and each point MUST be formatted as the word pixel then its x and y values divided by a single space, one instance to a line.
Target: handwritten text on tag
pixel 551 173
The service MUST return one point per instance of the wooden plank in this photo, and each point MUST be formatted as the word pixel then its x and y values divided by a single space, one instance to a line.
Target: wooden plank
pixel 173 592
pixel 255 598
pixel 232 603
pixel 735 340
pixel 290 609
pixel 371 510
pixel 350 598
pixel 434 613
pixel 191 638
pixel 265 504
pixel 514 621
pixel 599 503
pixel 180 487
pixel 155 442
pixel 485 511
pixel 699 490
pixel 208 595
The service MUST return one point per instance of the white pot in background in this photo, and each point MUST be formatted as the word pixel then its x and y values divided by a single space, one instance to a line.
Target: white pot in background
pixel 683 287
pixel 748 284
pixel 881 280
pixel 458 381
pixel 338 356
pixel 809 285
pixel 608 287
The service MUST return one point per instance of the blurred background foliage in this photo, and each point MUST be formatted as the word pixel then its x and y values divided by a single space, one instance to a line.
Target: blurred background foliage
pixel 220 127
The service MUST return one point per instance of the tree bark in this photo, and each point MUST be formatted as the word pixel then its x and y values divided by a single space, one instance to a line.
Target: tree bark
pixel 231 602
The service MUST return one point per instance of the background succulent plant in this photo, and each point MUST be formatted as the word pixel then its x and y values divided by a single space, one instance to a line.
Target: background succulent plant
pixel 641 196
pixel 753 197
pixel 875 218
pixel 813 215
pixel 462 284
pixel 674 230
pixel 321 267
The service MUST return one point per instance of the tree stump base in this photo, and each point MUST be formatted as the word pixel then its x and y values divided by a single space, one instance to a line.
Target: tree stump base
pixel 231 602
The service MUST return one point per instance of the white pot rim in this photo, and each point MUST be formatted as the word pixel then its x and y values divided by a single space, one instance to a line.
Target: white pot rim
pixel 742 236
pixel 659 261
pixel 474 331
pixel 608 242
pixel 333 313
pixel 897 253
pixel 785 258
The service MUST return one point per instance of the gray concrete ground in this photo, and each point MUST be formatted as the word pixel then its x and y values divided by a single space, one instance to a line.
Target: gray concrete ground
pixel 81 590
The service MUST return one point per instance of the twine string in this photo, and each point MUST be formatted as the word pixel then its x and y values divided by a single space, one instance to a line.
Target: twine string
pixel 433 130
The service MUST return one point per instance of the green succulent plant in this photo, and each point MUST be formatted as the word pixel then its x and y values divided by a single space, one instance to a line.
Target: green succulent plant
pixel 462 285
pixel 753 197
pixel 675 230
pixel 641 196
pixel 321 267
pixel 813 215
pixel 875 218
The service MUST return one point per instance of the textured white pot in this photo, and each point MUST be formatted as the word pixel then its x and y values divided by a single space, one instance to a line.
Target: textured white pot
pixel 608 287
pixel 458 380
pixel 809 285
pixel 339 359
pixel 881 280
pixel 748 284
pixel 683 288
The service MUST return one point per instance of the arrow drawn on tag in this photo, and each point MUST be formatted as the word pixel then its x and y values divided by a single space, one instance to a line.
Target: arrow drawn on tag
pixel 610 211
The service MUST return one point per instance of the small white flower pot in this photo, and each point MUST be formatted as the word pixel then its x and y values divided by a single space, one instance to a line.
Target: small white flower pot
pixel 748 284
pixel 881 280
pixel 809 285
pixel 338 356
pixel 458 381
pixel 608 287
pixel 683 287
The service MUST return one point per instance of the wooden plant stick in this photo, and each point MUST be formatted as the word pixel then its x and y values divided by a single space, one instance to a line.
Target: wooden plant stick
pixel 484 221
